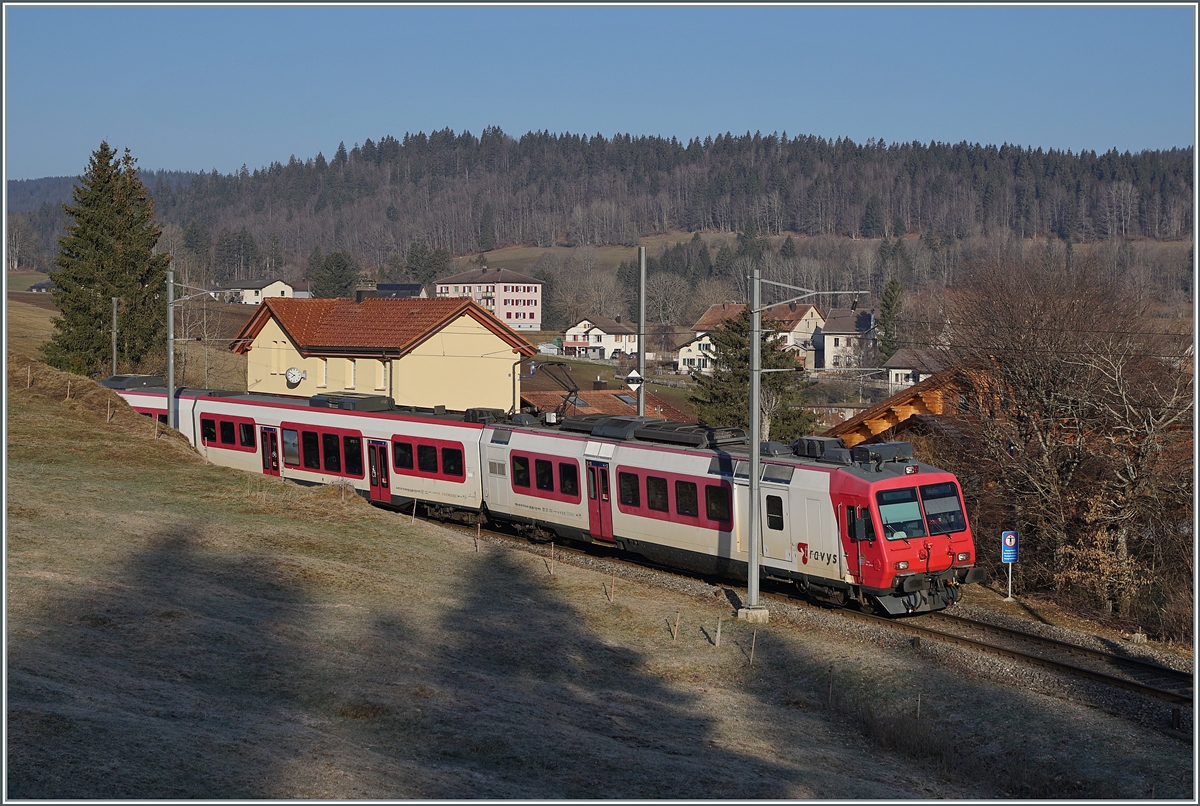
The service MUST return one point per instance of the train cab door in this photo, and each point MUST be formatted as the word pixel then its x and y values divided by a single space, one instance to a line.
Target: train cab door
pixel 853 549
pixel 377 469
pixel 599 501
pixel 269 442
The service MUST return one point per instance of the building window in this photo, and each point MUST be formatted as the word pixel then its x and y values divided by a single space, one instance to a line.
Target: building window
pixel 836 342
pixel 351 373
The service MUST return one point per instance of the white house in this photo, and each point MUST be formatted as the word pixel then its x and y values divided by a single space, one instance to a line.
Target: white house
pixel 908 367
pixel 798 323
pixel 845 338
pixel 696 355
pixel 600 337
pixel 515 299
pixel 253 292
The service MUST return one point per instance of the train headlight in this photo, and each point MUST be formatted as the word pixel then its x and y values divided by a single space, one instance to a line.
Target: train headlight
pixel 902 565
pixel 963 556
pixel 910 469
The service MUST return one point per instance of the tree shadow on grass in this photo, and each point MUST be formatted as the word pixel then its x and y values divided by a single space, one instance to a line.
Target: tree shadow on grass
pixel 169 681
pixel 524 700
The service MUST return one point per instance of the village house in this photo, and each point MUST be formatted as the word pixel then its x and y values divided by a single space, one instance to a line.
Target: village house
pixel 515 299
pixel 908 367
pixel 419 352
pixel 253 292
pixel 798 323
pixel 600 337
pixel 846 338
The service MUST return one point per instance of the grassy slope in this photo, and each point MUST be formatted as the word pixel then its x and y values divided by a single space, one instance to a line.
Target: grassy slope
pixel 186 631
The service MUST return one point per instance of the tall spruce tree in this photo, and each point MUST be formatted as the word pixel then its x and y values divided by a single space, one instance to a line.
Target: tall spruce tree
pixel 108 251
pixel 889 318
pixel 723 398
pixel 335 277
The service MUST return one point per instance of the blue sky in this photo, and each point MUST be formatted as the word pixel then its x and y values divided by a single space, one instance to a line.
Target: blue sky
pixel 204 87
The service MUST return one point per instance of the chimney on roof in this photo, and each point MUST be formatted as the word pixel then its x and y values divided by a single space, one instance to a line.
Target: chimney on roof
pixel 618 319
pixel 599 384
pixel 364 289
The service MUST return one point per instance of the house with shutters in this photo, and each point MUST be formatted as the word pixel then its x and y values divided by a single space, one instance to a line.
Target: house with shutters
pixel 601 337
pixel 419 352
pixel 798 323
pixel 846 339
pixel 515 299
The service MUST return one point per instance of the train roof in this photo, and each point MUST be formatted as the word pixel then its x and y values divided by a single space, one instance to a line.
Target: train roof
pixel 728 446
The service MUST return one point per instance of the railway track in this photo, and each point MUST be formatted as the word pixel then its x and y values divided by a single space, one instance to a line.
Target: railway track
pixel 1109 668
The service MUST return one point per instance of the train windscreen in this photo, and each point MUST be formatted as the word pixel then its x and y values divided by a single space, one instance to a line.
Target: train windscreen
pixel 943 510
pixel 900 514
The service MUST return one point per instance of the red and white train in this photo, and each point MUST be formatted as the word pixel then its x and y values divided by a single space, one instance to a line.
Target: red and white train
pixel 869 524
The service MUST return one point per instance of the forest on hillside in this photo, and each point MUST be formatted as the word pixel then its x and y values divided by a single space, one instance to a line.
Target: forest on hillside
pixel 918 205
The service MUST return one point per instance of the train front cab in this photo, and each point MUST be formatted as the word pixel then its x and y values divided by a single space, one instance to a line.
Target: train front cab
pixel 907 540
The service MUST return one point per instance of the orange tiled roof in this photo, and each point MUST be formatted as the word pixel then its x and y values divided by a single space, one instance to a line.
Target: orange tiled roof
pixel 605 401
pixel 344 326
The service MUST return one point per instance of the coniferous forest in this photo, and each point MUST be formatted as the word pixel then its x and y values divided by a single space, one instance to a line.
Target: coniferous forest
pixel 466 194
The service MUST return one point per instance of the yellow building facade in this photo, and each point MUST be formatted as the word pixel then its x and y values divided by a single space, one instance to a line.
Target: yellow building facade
pixel 419 352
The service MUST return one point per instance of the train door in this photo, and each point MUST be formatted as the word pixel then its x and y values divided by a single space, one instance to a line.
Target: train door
pixel 775 524
pixel 599 501
pixel 377 462
pixel 848 515
pixel 269 439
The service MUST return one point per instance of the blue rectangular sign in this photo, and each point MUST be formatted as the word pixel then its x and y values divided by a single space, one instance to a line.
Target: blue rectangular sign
pixel 1009 544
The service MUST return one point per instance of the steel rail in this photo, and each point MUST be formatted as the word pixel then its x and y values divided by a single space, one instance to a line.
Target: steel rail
pixel 908 626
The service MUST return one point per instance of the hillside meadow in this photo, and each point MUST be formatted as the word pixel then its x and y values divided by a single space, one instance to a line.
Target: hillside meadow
pixel 178 630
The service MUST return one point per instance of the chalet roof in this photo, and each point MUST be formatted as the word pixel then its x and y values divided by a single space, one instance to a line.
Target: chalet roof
pixel 844 320
pixel 788 314
pixel 922 360
pixel 926 397
pixel 343 326
pixel 605 401
pixel 491 276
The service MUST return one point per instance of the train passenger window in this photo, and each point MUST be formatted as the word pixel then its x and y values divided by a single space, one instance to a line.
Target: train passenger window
pixel 452 461
pixel 629 489
pixel 686 502
pixel 291 447
pixel 656 494
pixel 520 475
pixel 227 431
pixel 402 455
pixel 246 434
pixel 427 459
pixel 779 473
pixel 352 450
pixel 543 473
pixel 716 502
pixel 208 430
pixel 774 513
pixel 333 453
pixel 568 478
pixel 312 449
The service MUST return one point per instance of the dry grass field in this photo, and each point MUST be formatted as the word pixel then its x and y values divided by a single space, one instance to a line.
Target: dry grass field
pixel 177 630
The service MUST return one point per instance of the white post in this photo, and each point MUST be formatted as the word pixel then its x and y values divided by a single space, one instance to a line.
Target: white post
pixel 171 347
pixel 753 611
pixel 641 353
